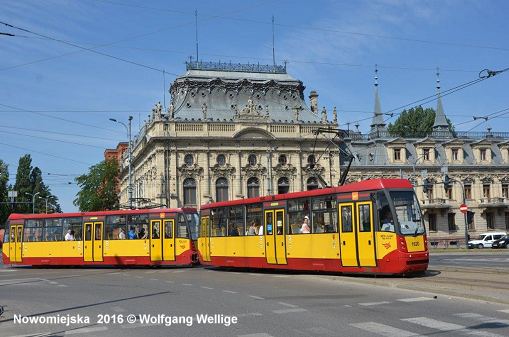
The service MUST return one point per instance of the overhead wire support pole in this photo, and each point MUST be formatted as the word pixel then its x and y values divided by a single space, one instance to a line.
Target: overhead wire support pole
pixel 196 32
pixel 273 46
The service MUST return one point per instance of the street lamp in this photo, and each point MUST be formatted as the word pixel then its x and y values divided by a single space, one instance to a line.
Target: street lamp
pixel 129 150
pixel 33 200
pixel 46 201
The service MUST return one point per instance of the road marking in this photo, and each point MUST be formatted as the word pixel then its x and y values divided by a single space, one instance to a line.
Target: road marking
pixel 322 331
pixel 139 276
pixel 86 330
pixel 154 279
pixel 288 305
pixel 7 270
pixel 445 326
pixel 209 288
pixel 115 273
pixel 286 311
pixel 383 330
pixel 256 297
pixel 61 285
pixel 256 335
pixel 368 304
pixel 179 271
pixel 150 271
pixel 280 276
pixel 250 314
pixel 504 310
pixel 416 299
pixel 253 274
pixel 187 284
pixel 118 309
pixel 230 292
pixel 236 273
pixel 169 281
pixel 53 282
pixel 482 318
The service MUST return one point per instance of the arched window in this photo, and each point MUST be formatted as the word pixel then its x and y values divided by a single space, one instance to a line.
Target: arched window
pixel 189 191
pixel 283 185
pixel 282 160
pixel 312 184
pixel 221 189
pixel 253 187
pixel 311 160
pixel 221 160
pixel 188 159
pixel 251 160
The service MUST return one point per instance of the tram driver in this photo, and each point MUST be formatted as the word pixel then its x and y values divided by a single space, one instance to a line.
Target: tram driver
pixel 386 219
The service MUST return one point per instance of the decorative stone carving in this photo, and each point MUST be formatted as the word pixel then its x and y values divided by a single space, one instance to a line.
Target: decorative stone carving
pixel 193 171
pixel 324 115
pixel 204 110
pixel 222 171
pixel 316 170
pixel 254 171
pixel 171 110
pixel 335 116
pixel 286 170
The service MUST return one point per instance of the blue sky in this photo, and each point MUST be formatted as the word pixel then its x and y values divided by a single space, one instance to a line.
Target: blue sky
pixel 55 99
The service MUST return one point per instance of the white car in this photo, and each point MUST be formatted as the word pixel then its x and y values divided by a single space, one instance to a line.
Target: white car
pixel 485 240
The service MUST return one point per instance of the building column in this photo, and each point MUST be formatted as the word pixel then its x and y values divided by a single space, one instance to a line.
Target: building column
pixel 239 175
pixel 299 172
pixel 207 177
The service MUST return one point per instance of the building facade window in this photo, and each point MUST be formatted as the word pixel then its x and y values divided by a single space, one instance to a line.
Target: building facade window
pixel 430 192
pixel 505 190
pixel 253 187
pixel 397 154
pixel 221 160
pixel 311 160
pixel 282 160
pixel 483 154
pixel 312 184
pixel 448 193
pixel 486 191
pixel 451 220
pixel 470 221
pixel 283 185
pixel 251 160
pixel 468 191
pixel 189 191
pixel 432 221
pixel 455 154
pixel 188 159
pixel 490 220
pixel 221 189
pixel 425 154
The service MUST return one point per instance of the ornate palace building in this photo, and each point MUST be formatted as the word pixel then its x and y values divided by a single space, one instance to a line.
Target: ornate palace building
pixel 237 131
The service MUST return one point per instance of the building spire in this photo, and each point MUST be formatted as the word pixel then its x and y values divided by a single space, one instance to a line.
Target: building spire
pixel 440 119
pixel 377 123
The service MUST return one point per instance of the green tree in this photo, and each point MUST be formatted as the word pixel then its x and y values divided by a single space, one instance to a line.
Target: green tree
pixel 416 121
pixel 38 186
pixel 23 185
pixel 4 179
pixel 98 187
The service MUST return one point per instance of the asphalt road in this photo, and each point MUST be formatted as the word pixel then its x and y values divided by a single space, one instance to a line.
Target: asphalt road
pixel 488 258
pixel 265 304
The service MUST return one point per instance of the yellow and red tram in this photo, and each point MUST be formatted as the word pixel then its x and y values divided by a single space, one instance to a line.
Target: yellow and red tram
pixel 372 226
pixel 124 237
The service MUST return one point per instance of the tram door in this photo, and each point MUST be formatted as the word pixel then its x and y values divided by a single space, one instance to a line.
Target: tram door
pixel 156 246
pixel 93 236
pixel 275 243
pixel 205 242
pixel 15 243
pixel 356 234
pixel 169 240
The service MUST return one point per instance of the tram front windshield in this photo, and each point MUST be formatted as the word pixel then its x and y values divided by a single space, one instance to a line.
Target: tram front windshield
pixel 192 222
pixel 408 213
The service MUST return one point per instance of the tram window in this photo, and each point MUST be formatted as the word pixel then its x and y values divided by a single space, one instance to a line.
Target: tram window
pixel 192 224
pixel 115 224
pixel 269 223
pixel 346 219
pixel 98 231
pixel 168 230
pixel 325 221
pixel 156 229
pixel 75 226
pixel 182 227
pixel 279 223
pixel 365 218
pixel 53 230
pixel 6 234
pixel 298 205
pixel 88 232
pixel 219 222
pixel 254 216
pixel 295 221
pixel 236 221
pixel 328 202
pixel 33 230
pixel 138 223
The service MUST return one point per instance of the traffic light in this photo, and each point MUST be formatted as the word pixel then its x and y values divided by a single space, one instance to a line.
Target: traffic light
pixel 426 185
pixel 447 182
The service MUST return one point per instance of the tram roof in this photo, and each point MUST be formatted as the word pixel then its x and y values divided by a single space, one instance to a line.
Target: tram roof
pixel 365 185
pixel 17 216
